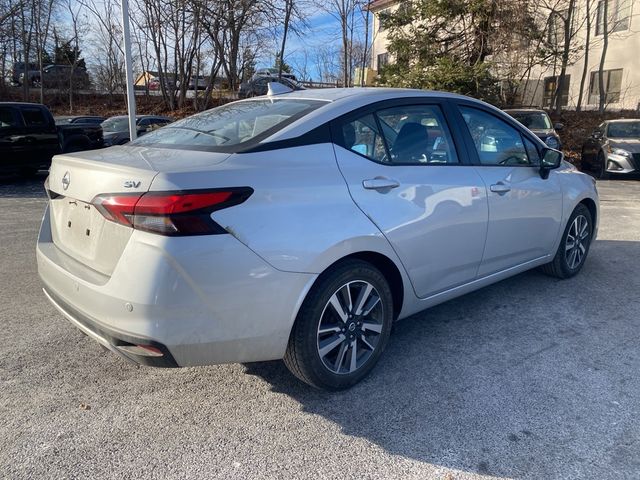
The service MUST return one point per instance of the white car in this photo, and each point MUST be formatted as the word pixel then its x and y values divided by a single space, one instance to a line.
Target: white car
pixel 302 225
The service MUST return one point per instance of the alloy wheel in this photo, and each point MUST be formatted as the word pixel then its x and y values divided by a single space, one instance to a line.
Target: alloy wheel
pixel 577 241
pixel 350 327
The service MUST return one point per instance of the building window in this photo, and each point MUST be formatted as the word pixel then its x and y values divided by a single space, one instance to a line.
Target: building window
pixel 382 16
pixel 550 87
pixel 383 60
pixel 612 80
pixel 619 16
pixel 555 34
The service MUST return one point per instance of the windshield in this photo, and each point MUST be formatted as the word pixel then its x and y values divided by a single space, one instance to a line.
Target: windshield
pixel 116 124
pixel 533 120
pixel 624 130
pixel 227 127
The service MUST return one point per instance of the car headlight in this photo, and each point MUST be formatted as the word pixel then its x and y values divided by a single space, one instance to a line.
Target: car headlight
pixel 552 142
pixel 620 151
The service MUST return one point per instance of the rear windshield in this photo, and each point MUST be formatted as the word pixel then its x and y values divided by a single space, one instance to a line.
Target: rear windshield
pixel 231 127
pixel 624 130
pixel 533 120
pixel 116 124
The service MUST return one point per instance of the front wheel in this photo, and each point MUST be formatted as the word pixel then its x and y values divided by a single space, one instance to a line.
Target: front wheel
pixel 602 167
pixel 342 327
pixel 574 247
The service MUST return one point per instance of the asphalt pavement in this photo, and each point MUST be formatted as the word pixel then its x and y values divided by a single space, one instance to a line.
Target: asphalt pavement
pixel 530 378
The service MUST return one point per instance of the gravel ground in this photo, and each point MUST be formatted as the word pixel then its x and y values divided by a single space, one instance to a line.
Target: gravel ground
pixel 529 378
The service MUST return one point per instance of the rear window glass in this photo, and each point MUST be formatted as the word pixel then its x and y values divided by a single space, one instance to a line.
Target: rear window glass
pixel 33 117
pixel 229 127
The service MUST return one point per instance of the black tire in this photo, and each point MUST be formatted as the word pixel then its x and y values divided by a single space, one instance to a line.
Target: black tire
pixel 601 169
pixel 303 357
pixel 561 267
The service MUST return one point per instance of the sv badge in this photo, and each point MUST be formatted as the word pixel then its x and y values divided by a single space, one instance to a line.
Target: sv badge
pixel 131 184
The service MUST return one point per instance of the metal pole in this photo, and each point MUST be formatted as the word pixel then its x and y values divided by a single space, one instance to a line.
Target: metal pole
pixel 131 99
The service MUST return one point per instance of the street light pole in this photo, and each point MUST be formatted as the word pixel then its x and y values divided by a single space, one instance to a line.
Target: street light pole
pixel 131 99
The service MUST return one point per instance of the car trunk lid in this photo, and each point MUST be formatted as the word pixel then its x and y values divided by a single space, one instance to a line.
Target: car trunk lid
pixel 78 228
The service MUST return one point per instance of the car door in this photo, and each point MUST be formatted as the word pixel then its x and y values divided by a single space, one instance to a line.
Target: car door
pixel 525 210
pixel 408 173
pixel 13 142
pixel 41 134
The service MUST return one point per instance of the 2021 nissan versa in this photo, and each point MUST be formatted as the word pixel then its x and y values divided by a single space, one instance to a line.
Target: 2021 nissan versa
pixel 301 225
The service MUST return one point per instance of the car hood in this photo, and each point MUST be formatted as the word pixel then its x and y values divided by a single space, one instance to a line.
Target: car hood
pixel 629 144
pixel 544 133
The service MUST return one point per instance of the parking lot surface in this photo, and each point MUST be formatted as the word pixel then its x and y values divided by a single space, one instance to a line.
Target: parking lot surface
pixel 529 378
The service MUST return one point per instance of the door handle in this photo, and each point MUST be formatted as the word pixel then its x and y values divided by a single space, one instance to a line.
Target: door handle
pixel 380 183
pixel 500 188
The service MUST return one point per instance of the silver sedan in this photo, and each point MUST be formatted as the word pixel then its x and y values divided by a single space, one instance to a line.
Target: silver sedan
pixel 300 226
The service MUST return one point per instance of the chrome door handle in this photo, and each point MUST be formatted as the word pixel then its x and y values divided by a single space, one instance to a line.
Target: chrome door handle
pixel 380 183
pixel 500 188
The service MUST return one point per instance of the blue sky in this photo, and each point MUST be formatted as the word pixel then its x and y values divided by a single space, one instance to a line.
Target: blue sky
pixel 324 29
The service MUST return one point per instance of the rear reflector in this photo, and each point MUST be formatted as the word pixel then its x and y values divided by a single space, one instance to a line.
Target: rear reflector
pixel 170 213
pixel 143 350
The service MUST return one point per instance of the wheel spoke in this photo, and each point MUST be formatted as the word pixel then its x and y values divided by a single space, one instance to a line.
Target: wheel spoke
pixel 364 295
pixel 330 345
pixel 337 306
pixel 568 245
pixel 341 354
pixel 582 249
pixel 354 356
pixel 366 342
pixel 370 305
pixel 572 258
pixel 329 329
pixel 374 327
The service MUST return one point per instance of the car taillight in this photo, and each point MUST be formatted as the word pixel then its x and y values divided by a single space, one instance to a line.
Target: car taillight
pixel 170 213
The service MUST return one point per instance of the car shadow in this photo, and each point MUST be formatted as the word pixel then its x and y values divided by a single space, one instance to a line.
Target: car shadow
pixel 530 377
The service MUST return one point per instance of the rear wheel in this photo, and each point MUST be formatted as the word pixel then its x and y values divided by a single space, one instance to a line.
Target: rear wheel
pixel 342 327
pixel 574 247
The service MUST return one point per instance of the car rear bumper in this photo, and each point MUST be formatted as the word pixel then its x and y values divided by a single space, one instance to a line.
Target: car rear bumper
pixel 198 300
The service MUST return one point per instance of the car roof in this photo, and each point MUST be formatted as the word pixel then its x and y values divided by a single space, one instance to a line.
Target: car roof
pixel 340 101
pixel 623 120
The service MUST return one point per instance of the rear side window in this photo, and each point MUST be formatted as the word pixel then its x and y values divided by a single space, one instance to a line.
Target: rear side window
pixel 229 127
pixel 7 119
pixel 34 117
pixel 417 134
pixel 496 142
pixel 403 135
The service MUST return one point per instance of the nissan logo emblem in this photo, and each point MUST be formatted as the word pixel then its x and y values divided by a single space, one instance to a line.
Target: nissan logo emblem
pixel 66 180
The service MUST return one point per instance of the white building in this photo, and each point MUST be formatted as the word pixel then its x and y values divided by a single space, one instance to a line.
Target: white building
pixel 621 67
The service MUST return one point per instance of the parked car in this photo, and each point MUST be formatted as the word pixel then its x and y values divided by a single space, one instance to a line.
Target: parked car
pixel 77 119
pixel 302 225
pixel 58 76
pixel 260 86
pixel 539 123
pixel 116 129
pixel 273 72
pixel 29 137
pixel 613 147
pixel 18 69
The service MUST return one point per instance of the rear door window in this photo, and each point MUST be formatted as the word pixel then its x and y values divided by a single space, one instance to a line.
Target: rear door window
pixel 7 118
pixel 34 117
pixel 417 134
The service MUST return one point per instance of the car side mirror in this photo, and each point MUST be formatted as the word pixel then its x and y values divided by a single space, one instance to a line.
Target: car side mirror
pixel 558 126
pixel 550 159
pixel 597 135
